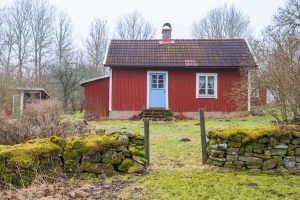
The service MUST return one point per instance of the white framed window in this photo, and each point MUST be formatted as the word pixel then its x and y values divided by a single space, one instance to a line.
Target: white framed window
pixel 206 85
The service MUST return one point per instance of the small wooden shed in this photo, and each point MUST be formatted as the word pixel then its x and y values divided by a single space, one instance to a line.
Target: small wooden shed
pixel 24 96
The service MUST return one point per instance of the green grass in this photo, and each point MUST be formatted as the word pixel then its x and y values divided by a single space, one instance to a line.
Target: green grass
pixel 176 171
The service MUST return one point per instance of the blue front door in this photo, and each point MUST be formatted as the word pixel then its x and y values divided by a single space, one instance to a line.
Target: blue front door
pixel 157 90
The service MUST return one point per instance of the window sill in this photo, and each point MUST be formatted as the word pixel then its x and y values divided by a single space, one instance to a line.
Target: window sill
pixel 206 97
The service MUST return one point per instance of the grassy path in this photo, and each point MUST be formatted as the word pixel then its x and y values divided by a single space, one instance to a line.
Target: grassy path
pixel 176 172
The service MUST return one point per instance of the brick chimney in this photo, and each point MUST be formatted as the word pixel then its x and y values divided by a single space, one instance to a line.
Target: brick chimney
pixel 166 31
pixel 166 34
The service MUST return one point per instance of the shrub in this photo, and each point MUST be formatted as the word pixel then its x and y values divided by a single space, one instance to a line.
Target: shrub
pixel 39 120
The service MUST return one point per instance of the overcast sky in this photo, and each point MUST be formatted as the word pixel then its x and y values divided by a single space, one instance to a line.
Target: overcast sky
pixel 180 13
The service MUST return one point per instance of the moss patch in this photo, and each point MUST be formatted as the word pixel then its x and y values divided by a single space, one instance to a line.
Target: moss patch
pixel 126 164
pixel 252 133
pixel 137 152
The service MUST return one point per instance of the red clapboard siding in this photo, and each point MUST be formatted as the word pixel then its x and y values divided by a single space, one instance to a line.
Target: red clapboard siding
pixel 97 97
pixel 129 89
pixel 182 91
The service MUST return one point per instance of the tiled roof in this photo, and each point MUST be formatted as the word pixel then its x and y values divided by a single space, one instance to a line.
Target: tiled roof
pixel 180 53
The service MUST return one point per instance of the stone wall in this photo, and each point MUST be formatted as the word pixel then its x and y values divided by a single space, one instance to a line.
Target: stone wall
pixel 263 148
pixel 99 153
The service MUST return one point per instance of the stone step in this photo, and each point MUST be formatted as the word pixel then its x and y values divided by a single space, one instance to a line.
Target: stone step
pixel 158 114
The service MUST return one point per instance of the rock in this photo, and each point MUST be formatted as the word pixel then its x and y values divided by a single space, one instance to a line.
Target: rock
pixel 285 140
pixel 229 164
pixel 125 165
pixel 184 140
pixel 251 166
pixel 73 195
pixel 231 157
pixel 95 158
pixel 281 146
pixel 296 141
pixel 263 140
pixel 232 150
pixel 289 162
pixel 238 163
pixel 218 163
pixel 216 153
pixel 262 156
pixel 296 134
pixel 279 152
pixel 241 151
pixel 297 158
pixel 279 161
pixel 248 148
pixel 96 168
pixel 268 152
pixel 217 159
pixel 249 154
pixel 234 144
pixel 139 160
pixel 291 153
pixel 221 146
pixel 297 151
pixel 236 138
pixel 123 140
pixel 258 147
pixel 292 147
pixel 269 164
pixel 136 168
pixel 252 160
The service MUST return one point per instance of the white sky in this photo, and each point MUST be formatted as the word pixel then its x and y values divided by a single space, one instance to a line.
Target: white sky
pixel 180 13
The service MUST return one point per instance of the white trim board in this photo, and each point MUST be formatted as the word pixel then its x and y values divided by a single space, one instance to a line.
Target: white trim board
pixel 110 91
pixel 167 87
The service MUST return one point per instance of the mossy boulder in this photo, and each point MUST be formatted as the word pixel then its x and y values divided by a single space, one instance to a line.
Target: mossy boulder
pixel 19 163
pixel 96 168
pixel 113 157
pixel 125 165
pixel 137 152
pixel 136 168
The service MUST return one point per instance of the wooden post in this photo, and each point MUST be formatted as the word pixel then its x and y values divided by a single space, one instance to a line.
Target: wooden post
pixel 203 136
pixel 147 139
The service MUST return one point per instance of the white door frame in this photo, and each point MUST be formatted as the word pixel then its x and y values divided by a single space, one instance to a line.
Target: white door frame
pixel 166 85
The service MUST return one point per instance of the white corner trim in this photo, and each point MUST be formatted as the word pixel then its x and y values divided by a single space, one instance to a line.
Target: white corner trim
pixel 167 87
pixel 110 90
pixel 249 90
pixel 22 103
pixel 106 52
pixel 216 86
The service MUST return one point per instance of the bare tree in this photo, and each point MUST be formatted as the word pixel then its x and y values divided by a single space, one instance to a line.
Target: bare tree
pixel 42 26
pixel 20 15
pixel 66 71
pixel 96 45
pixel 289 16
pixel 223 23
pixel 133 26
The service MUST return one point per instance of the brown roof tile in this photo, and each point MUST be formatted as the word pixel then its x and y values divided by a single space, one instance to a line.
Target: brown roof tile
pixel 182 53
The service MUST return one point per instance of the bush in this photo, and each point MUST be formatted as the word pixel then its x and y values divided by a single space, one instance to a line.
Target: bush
pixel 39 120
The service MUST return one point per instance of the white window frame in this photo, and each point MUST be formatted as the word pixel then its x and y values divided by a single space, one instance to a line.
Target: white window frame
pixel 215 75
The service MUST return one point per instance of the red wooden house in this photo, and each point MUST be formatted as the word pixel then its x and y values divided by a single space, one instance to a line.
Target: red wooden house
pixel 177 75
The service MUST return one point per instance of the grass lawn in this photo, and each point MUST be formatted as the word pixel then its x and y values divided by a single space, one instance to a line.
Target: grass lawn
pixel 176 171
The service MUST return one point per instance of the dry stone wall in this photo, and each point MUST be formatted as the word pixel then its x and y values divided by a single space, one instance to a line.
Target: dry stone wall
pixel 99 153
pixel 263 148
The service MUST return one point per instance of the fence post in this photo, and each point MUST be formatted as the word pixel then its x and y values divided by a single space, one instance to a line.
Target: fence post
pixel 147 139
pixel 203 136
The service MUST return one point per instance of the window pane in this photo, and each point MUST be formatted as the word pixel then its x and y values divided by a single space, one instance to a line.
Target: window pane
pixel 202 81
pixel 160 81
pixel 153 81
pixel 211 82
pixel 161 76
pixel 211 91
pixel 202 92
pixel 154 86
pixel 160 85
pixel 154 76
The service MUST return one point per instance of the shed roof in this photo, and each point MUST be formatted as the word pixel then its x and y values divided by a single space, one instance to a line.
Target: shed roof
pixel 222 53
pixel 93 79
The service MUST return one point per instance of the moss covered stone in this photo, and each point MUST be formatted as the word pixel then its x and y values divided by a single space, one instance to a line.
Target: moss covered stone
pixel 125 165
pixel 253 133
pixel 137 152
pixel 136 168
pixel 96 168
